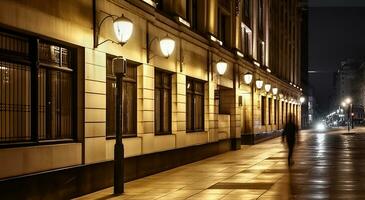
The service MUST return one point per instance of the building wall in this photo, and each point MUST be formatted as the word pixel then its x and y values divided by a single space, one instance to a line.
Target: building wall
pixel 195 56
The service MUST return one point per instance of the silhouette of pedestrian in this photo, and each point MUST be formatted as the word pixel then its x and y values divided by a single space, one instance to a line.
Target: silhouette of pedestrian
pixel 289 134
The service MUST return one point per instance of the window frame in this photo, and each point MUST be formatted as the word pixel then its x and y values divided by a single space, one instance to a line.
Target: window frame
pixel 162 89
pixel 224 34
pixel 32 60
pixel 192 112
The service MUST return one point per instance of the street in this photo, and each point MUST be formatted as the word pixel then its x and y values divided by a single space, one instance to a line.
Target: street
pixel 327 166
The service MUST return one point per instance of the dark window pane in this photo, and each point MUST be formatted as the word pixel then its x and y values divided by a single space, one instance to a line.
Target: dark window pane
pixel 189 112
pixel 129 108
pixel 199 87
pixel 110 106
pixel 263 110
pixel 162 102
pixel 198 112
pixel 166 110
pixel 158 80
pixel 195 105
pixel 13 45
pixel 14 102
pixel 55 104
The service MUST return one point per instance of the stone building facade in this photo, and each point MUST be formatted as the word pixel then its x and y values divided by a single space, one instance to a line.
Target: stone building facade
pixel 57 103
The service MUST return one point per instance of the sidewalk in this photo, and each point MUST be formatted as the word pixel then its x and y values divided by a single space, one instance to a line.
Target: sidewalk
pixel 254 172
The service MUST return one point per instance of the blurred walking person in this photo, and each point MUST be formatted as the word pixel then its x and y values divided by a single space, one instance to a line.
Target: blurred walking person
pixel 290 135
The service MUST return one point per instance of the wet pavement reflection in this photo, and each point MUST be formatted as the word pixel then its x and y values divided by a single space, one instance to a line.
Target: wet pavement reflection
pixel 327 165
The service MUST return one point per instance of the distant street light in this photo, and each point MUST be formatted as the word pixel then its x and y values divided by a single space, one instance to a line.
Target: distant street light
pixel 348 100
pixel 343 104
pixel 350 115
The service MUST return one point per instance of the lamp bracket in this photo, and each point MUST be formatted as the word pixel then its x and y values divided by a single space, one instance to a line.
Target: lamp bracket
pixel 149 44
pixel 97 31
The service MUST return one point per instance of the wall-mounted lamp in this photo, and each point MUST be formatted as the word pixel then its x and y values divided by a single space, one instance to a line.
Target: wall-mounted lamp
pixel 281 96
pixel 123 29
pixel 221 67
pixel 267 87
pixel 268 70
pixel 302 99
pixel 167 47
pixel 275 91
pixel 247 78
pixel 256 63
pixel 259 84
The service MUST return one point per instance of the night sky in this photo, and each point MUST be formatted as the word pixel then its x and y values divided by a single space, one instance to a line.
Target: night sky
pixel 336 32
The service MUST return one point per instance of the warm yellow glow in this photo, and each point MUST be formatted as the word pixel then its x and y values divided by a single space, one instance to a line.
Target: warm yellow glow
pixel 348 100
pixel 248 78
pixel 167 46
pixel 183 21
pixel 221 67
pixel 281 96
pixel 275 91
pixel 259 84
pixel 267 87
pixel 240 54
pixel 123 29
pixel 343 104
pixel 256 63
pixel 302 99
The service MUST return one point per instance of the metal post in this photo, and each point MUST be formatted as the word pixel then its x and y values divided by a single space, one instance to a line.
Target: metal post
pixel 352 117
pixel 348 118
pixel 118 147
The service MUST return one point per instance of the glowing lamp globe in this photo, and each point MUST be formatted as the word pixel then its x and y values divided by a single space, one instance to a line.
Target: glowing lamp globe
pixel 247 78
pixel 123 29
pixel 167 46
pixel 221 67
pixel 275 91
pixel 267 87
pixel 259 84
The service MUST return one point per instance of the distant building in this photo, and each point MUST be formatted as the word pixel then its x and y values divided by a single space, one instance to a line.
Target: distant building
pixel 344 78
pixel 311 105
pixel 349 82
